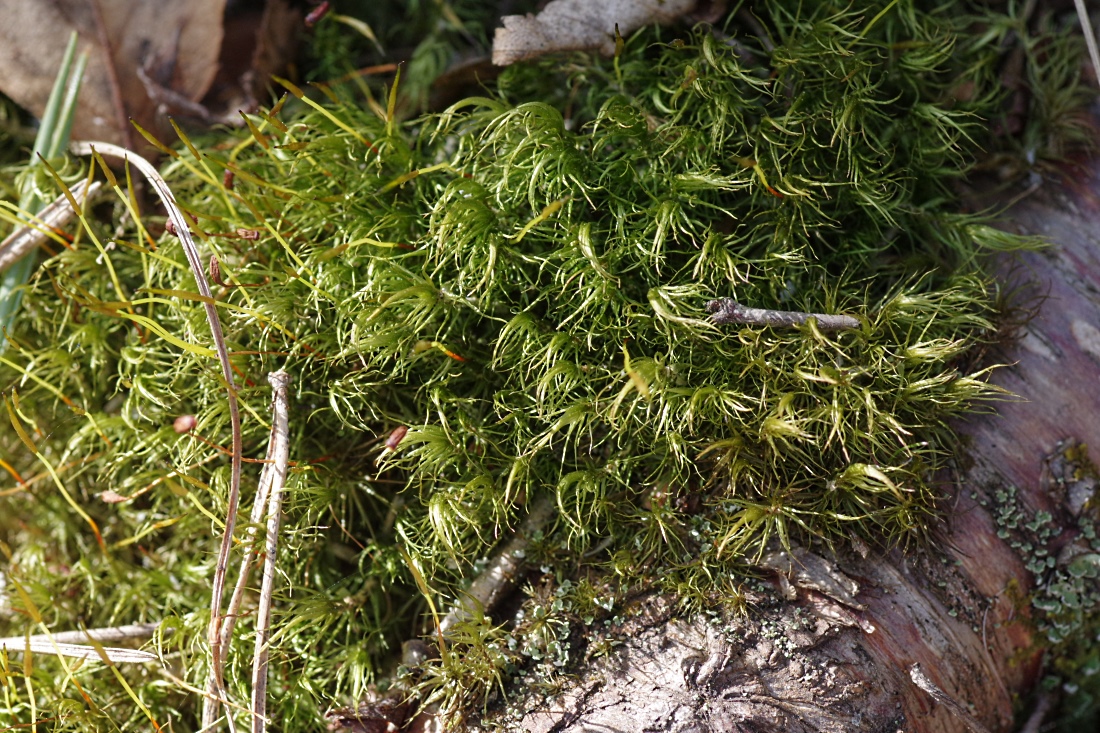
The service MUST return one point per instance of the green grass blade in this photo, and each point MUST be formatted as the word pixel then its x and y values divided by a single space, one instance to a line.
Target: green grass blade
pixel 60 140
pixel 52 112
pixel 52 139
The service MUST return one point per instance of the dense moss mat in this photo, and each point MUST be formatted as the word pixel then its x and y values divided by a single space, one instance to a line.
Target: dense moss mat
pixel 520 283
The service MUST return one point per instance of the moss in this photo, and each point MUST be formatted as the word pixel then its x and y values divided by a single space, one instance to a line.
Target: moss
pixel 520 283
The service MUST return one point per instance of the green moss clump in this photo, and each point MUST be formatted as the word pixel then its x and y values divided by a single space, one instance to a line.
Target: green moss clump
pixel 520 282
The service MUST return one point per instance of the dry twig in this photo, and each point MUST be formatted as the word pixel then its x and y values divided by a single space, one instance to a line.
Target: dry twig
pixel 54 216
pixel 491 585
pixel 68 643
pixel 728 310
pixel 279 452
pixel 263 489
pixel 1090 36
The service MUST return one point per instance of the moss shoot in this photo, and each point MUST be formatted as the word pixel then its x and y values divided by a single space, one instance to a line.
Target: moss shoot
pixel 505 302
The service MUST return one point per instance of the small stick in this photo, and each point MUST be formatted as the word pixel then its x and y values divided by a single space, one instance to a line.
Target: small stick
pixel 171 100
pixel 112 654
pixel 54 216
pixel 68 643
pixel 920 679
pixel 263 489
pixel 490 587
pixel 728 310
pixel 280 455
pixel 110 633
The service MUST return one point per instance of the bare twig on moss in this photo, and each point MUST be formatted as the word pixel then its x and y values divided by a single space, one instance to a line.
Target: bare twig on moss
pixel 54 216
pixel 490 586
pixel 113 655
pixel 728 310
pixel 279 451
pixel 127 632
pixel 217 657
pixel 263 490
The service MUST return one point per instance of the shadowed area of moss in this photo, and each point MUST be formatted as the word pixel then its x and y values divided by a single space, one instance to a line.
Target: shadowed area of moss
pixel 520 283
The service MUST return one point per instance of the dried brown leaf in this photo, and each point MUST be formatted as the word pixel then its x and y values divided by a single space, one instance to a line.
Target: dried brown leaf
pixel 258 42
pixel 177 43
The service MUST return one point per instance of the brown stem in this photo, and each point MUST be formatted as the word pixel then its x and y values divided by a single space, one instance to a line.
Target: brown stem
pixel 217 658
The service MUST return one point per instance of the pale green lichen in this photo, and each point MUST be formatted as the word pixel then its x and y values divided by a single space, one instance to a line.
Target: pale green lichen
pixel 1067 582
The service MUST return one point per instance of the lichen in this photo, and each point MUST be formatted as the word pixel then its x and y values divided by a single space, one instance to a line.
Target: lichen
pixel 1066 597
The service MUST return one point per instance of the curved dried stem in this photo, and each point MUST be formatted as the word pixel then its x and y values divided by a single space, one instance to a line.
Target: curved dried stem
pixel 175 215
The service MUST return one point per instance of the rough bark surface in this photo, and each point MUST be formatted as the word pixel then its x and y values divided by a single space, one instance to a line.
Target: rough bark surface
pixel 807 658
